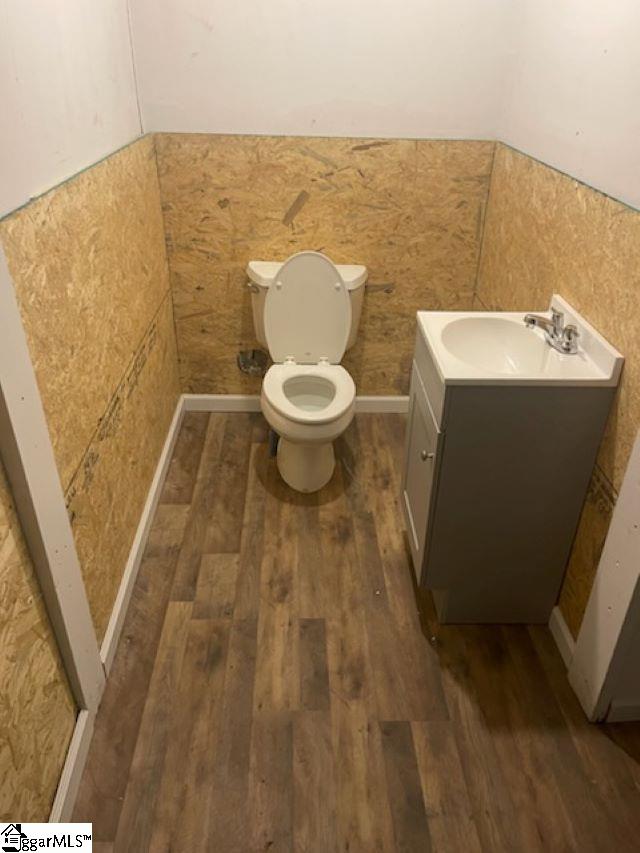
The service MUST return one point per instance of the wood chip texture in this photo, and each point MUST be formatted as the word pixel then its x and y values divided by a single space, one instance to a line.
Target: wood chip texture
pixel 37 712
pixel 90 271
pixel 410 210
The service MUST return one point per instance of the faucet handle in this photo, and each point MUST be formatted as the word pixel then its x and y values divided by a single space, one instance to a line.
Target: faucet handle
pixel 570 335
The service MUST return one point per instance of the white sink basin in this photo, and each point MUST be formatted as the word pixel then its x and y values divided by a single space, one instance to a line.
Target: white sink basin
pixel 495 344
pixel 497 347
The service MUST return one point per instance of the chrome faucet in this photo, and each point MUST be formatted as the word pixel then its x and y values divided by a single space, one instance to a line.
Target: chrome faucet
pixel 560 337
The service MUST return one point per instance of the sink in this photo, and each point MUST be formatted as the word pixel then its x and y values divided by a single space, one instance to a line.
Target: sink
pixel 497 347
pixel 496 344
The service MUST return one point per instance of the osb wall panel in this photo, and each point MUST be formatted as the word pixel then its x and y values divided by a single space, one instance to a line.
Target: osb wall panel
pixel 90 271
pixel 412 211
pixel 91 275
pixel 106 496
pixel 587 548
pixel 37 713
pixel 545 233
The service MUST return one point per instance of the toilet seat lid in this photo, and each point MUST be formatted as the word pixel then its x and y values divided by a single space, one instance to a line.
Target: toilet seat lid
pixel 307 311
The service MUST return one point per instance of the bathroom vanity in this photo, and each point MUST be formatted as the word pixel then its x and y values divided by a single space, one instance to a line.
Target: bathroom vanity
pixel 502 435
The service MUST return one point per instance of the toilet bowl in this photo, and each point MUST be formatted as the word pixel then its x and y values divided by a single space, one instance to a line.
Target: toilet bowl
pixel 307 397
pixel 309 406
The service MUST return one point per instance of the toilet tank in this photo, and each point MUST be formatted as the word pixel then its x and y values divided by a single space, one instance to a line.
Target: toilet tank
pixel 262 274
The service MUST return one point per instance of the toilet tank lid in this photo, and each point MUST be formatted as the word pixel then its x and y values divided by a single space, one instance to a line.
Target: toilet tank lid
pixel 263 273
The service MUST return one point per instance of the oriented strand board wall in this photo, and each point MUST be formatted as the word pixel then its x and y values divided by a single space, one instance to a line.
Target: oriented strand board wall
pixel 546 233
pixel 412 211
pixel 90 271
pixel 106 496
pixel 37 712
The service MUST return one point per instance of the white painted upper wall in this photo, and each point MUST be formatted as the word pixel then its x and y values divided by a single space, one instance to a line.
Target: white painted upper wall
pixel 67 91
pixel 573 96
pixel 416 68
pixel 557 80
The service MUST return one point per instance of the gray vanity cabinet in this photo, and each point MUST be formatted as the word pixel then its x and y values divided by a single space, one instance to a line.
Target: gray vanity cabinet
pixel 494 481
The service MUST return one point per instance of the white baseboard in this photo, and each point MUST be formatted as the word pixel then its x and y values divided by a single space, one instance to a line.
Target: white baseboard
pixel 221 402
pixel 251 403
pixel 116 620
pixel 73 769
pixel 390 405
pixel 562 635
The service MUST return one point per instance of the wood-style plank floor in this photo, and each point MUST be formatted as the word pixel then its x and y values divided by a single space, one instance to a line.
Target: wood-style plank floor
pixel 276 689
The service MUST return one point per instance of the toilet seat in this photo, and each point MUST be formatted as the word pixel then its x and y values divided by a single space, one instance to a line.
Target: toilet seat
pixel 304 411
pixel 307 312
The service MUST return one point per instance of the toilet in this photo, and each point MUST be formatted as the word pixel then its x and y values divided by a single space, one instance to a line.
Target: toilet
pixel 304 311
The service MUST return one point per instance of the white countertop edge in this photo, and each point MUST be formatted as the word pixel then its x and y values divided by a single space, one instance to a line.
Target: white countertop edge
pixel 521 381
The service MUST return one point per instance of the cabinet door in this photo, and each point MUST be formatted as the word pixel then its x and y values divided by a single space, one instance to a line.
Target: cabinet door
pixel 419 471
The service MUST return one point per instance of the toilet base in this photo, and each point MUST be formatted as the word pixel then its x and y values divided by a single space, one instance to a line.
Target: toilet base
pixel 305 467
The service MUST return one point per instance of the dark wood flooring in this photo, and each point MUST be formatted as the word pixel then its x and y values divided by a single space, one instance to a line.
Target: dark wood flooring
pixel 276 689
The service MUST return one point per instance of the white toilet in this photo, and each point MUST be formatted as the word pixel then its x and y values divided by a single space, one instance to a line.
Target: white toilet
pixel 304 312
